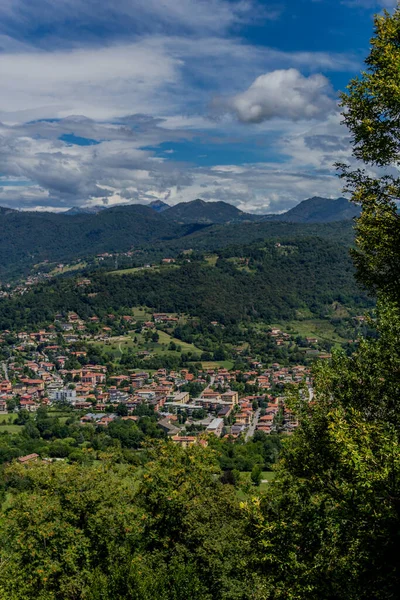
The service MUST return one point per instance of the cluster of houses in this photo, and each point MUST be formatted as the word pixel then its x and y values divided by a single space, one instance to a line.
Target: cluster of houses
pixel 36 374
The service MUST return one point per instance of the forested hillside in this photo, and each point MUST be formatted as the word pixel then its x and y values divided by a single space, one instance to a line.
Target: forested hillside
pixel 275 282
pixel 220 236
pixel 320 210
pixel 30 238
pixel 199 211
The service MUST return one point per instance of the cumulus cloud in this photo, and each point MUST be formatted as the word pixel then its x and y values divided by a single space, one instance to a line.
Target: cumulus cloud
pixel 161 75
pixel 285 94
pixel 37 164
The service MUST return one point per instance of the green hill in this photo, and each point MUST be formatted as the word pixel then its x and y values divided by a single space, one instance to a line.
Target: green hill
pixel 27 238
pixel 30 238
pixel 199 211
pixel 320 210
pixel 303 273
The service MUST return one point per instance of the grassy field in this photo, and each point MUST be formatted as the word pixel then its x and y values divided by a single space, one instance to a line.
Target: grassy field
pixel 154 268
pixel 60 415
pixel 319 328
pixel 8 418
pixel 218 364
pixel 131 270
pixel 265 475
pixel 121 344
pixel 68 269
pixel 10 428
pixel 211 259
pixel 140 312
pixel 266 478
pixel 7 421
pixel 116 345
pixel 165 338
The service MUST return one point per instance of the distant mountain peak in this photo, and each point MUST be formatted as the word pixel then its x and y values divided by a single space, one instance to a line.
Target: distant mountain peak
pixel 78 210
pixel 200 211
pixel 159 205
pixel 320 210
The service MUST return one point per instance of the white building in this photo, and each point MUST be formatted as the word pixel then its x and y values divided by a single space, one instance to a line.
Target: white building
pixel 216 426
pixel 63 395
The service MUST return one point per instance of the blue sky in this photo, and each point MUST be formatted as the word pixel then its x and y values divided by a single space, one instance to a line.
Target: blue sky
pixel 137 100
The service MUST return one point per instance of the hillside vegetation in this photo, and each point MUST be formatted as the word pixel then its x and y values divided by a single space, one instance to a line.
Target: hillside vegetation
pixel 30 238
pixel 277 281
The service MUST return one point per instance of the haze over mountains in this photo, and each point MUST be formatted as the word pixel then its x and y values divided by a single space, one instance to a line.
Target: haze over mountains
pixel 27 238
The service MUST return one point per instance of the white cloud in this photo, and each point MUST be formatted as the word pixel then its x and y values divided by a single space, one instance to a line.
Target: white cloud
pixel 165 60
pixel 118 171
pixel 100 83
pixel 154 75
pixel 261 188
pixel 285 94
pixel 64 21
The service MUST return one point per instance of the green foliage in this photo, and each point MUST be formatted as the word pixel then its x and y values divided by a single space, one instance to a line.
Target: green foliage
pixel 170 531
pixel 371 112
pixel 273 289
pixel 28 238
pixel 262 450
pixel 255 475
pixel 64 531
pixel 331 516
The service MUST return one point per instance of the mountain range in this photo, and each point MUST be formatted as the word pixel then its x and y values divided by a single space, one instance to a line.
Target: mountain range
pixel 29 238
pixel 313 210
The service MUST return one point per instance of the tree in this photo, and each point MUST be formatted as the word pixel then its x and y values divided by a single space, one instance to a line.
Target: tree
pixel 193 529
pixel 371 112
pixel 23 417
pixel 76 529
pixel 168 530
pixel 122 410
pixel 332 516
pixel 11 404
pixel 256 474
pixel 31 431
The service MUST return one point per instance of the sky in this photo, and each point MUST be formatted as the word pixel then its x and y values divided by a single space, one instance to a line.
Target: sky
pixel 131 101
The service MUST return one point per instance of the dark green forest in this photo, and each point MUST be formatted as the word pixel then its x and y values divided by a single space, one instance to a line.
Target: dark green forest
pixel 29 239
pixel 309 273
